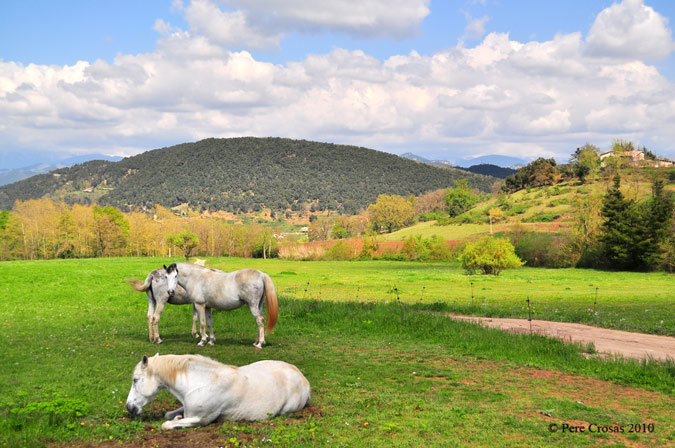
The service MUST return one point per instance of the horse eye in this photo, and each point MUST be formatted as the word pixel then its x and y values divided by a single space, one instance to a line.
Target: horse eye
pixel 135 380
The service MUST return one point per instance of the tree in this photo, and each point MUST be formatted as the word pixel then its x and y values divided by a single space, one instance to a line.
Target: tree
pixel 490 256
pixel 431 202
pixel 585 161
pixel 617 230
pixel 320 228
pixel 496 214
pixel 635 236
pixel 460 199
pixel 185 240
pixel 266 244
pixel 657 215
pixel 10 236
pixel 536 174
pixel 391 212
pixel 111 229
pixel 586 227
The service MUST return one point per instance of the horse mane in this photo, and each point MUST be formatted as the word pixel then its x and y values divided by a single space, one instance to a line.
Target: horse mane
pixel 170 367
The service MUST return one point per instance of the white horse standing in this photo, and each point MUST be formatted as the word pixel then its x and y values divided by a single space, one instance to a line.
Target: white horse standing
pixel 208 389
pixel 155 286
pixel 211 288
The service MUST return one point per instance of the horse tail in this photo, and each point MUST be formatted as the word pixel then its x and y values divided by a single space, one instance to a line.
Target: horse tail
pixel 272 305
pixel 138 286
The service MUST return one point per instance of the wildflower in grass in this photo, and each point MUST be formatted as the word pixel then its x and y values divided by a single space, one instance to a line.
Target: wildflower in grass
pixel 365 424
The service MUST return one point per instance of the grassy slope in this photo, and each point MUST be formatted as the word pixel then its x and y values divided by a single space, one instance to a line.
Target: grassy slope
pixel 527 206
pixel 381 373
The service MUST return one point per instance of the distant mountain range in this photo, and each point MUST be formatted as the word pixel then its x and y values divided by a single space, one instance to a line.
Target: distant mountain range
pixel 494 159
pixel 243 175
pixel 494 165
pixel 13 175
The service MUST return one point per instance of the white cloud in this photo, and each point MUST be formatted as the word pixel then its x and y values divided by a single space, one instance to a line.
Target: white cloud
pixel 502 96
pixel 229 29
pixel 630 30
pixel 388 18
pixel 475 28
pixel 262 24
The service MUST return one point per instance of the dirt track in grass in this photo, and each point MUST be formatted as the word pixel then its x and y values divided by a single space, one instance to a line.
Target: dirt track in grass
pixel 606 341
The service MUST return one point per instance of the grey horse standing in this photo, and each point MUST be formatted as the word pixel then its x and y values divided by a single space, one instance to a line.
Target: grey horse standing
pixel 156 288
pixel 211 288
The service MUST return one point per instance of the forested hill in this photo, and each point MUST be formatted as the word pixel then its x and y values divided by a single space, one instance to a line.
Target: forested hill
pixel 490 170
pixel 242 175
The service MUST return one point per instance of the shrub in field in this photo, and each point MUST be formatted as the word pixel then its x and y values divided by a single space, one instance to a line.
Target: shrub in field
pixel 543 217
pixel 490 256
pixel 368 245
pixel 424 249
pixel 341 250
pixel 543 249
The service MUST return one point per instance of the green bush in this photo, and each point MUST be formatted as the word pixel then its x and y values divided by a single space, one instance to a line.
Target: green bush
pixel 341 250
pixel 425 249
pixel 543 249
pixel 490 256
pixel 543 217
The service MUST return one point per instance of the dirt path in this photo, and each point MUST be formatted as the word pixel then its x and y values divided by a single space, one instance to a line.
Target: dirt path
pixel 624 343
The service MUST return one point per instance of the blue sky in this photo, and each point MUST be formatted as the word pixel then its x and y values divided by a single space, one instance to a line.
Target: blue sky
pixel 448 80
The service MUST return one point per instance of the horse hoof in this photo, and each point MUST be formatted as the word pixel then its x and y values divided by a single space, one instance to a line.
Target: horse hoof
pixel 211 342
pixel 159 341
pixel 258 346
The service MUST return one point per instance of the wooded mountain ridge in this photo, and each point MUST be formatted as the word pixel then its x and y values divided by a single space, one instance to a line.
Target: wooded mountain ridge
pixel 242 175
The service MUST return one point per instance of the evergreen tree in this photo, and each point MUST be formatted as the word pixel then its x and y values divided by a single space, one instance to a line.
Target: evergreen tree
pixel 617 235
pixel 658 214
pixel 634 236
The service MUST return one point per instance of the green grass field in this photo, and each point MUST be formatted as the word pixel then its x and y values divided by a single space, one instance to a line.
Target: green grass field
pixel 383 371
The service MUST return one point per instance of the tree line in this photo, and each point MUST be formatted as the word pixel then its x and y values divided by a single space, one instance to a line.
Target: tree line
pixel 45 229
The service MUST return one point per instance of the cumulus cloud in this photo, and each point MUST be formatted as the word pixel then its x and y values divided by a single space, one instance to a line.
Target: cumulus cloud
pixel 388 18
pixel 630 30
pixel 501 96
pixel 262 24
pixel 475 28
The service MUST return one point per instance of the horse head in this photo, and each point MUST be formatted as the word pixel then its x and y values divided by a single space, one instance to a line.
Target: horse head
pixel 144 388
pixel 172 278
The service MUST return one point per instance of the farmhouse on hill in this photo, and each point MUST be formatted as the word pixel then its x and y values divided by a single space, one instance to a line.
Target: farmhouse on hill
pixel 637 157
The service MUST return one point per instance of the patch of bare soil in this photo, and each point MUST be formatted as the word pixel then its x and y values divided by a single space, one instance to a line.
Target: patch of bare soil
pixel 614 342
pixel 208 436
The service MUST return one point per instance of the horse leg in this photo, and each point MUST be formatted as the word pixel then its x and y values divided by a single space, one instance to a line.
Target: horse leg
pixel 201 309
pixel 148 316
pixel 260 321
pixel 173 414
pixel 212 338
pixel 155 320
pixel 189 422
pixel 195 316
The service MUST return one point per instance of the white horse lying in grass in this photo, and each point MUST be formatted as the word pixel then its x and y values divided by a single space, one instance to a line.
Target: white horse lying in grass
pixel 209 390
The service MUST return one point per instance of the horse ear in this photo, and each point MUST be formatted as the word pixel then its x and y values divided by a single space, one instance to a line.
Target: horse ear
pixel 145 361
pixel 165 267
pixel 156 354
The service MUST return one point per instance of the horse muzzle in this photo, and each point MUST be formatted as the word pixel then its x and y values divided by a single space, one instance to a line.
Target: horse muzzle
pixel 134 410
pixel 171 292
